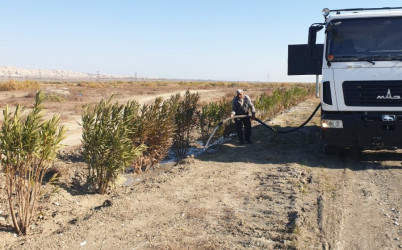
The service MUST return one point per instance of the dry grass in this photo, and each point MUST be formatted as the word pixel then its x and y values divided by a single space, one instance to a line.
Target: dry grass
pixel 10 85
pixel 18 85
pixel 198 84
pixel 93 84
pixel 198 213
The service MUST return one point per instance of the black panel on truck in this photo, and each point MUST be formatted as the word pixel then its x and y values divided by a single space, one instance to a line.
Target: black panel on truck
pixel 300 63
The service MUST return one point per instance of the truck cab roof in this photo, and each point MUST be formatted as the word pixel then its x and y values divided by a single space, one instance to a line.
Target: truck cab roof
pixel 345 14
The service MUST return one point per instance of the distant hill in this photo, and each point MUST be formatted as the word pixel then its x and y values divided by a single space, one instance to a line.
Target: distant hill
pixel 7 72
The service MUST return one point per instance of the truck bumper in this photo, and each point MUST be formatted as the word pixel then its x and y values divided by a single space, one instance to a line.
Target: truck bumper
pixel 363 130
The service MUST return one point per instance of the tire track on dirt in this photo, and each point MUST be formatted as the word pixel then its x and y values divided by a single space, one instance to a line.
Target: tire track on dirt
pixel 373 203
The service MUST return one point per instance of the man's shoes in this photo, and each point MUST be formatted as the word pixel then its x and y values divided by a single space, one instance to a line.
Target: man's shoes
pixel 241 142
pixel 249 142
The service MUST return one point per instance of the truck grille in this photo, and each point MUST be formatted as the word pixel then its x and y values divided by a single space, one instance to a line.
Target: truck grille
pixel 373 93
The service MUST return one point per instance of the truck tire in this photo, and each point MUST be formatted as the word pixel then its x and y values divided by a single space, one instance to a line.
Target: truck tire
pixel 328 149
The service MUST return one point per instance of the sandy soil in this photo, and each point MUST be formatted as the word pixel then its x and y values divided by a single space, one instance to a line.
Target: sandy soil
pixel 280 192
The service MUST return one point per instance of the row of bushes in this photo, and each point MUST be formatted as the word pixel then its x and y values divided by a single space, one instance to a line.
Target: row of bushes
pixel 114 137
pixel 281 98
pixel 117 135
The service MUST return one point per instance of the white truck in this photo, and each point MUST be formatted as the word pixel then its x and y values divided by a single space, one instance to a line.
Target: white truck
pixel 361 85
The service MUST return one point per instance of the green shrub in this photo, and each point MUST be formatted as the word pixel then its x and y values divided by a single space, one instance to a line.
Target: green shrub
pixel 209 117
pixel 226 109
pixel 28 145
pixel 155 127
pixel 185 121
pixel 107 141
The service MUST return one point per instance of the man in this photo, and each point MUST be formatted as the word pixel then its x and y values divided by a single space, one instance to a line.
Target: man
pixel 241 105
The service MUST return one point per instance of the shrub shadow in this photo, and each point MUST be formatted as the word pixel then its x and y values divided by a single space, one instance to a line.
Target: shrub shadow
pixel 7 229
pixel 77 187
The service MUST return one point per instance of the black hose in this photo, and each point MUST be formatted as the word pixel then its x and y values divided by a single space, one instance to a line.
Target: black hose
pixel 303 124
pixel 264 124
pixel 290 130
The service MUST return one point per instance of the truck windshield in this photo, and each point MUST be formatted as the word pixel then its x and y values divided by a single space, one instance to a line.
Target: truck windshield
pixel 364 39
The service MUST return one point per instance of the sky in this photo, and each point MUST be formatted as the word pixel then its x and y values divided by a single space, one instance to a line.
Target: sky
pixel 228 40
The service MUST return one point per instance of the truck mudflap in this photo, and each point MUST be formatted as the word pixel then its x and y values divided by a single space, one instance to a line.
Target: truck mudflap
pixel 368 130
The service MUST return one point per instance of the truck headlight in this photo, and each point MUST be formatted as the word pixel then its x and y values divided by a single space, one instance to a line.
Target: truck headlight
pixel 331 123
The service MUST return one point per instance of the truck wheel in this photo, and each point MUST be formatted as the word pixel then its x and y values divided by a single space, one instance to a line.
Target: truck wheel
pixel 328 149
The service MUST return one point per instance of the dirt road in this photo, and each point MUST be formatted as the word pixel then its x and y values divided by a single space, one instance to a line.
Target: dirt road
pixel 280 192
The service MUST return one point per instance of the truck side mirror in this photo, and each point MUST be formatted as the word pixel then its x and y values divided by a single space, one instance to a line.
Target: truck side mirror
pixel 312 37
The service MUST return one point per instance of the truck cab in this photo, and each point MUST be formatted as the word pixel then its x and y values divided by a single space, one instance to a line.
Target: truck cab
pixel 361 83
